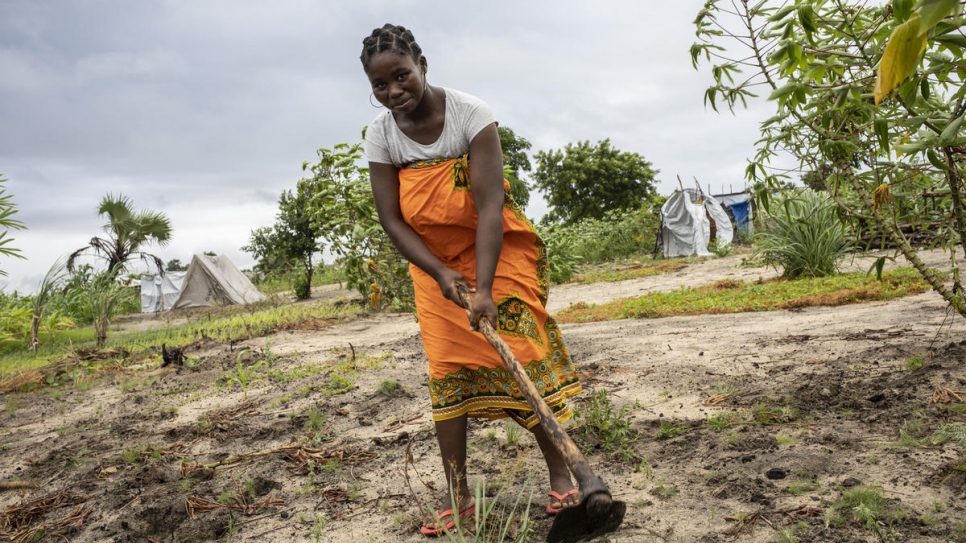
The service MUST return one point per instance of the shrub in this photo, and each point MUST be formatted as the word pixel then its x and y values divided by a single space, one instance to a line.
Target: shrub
pixel 803 236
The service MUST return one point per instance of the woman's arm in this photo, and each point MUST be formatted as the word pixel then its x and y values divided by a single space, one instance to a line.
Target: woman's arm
pixel 384 179
pixel 486 180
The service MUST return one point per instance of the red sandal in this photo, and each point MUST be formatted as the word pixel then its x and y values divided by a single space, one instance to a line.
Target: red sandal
pixel 439 528
pixel 551 510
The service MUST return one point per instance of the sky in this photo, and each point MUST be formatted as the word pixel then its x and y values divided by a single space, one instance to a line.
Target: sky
pixel 205 110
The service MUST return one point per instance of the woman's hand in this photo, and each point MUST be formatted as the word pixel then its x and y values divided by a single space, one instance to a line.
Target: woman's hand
pixel 481 308
pixel 450 282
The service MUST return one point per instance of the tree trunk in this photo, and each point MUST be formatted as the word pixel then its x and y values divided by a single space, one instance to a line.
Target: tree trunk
pixel 927 273
pixel 35 332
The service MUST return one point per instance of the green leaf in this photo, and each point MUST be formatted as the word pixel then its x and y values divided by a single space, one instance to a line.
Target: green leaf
pixel 902 9
pixel 935 160
pixel 900 57
pixel 882 133
pixel 951 131
pixel 783 91
pixel 841 96
pixel 924 88
pixel 954 40
pixel 933 11
pixel 877 266
pixel 782 13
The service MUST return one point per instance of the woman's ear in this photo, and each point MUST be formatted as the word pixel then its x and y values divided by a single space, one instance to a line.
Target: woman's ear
pixel 422 63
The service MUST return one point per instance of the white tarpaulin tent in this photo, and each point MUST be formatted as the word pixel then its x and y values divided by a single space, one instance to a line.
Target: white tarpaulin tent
pixel 214 280
pixel 159 293
pixel 686 219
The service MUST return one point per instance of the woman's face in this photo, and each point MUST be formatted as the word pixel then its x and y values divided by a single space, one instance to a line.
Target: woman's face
pixel 398 81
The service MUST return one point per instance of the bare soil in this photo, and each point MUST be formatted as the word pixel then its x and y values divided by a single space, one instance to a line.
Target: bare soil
pixel 830 398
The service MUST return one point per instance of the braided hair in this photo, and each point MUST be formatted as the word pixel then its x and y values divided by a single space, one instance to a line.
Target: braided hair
pixel 389 38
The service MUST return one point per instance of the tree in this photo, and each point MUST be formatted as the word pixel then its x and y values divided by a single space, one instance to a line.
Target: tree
pixel 175 265
pixel 515 161
pixel 127 232
pixel 7 223
pixel 263 247
pixel 297 232
pixel 871 95
pixel 587 181
pixel 54 278
pixel 346 214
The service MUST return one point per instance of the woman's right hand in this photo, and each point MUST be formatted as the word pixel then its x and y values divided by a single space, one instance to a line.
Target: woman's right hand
pixel 449 282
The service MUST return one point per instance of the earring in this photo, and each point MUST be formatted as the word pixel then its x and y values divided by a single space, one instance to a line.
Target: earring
pixel 371 96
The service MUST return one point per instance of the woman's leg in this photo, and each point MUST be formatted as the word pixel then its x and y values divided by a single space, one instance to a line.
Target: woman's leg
pixel 451 435
pixel 560 481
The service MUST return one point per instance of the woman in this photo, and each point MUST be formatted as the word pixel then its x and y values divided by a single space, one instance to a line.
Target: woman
pixel 436 170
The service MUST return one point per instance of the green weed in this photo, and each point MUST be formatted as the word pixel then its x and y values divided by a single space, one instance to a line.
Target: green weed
pixel 315 420
pixel 667 430
pixel 513 432
pixel 799 487
pixel 338 384
pixel 915 363
pixel 601 424
pixel 388 386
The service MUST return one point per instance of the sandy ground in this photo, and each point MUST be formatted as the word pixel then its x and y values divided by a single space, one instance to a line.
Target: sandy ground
pixel 831 390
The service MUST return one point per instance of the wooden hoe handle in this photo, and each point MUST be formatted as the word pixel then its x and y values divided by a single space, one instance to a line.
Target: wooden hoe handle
pixel 561 441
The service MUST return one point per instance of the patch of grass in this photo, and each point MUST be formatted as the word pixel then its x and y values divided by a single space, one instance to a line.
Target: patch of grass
pixel 513 432
pixel 315 420
pixel 663 490
pixel 338 384
pixel 915 363
pixel 784 439
pixel 187 484
pixel 388 386
pixel 953 431
pixel 864 505
pixel 770 295
pixel 799 487
pixel 227 323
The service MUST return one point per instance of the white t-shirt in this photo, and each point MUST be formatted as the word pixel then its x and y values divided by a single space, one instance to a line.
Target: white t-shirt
pixel 465 117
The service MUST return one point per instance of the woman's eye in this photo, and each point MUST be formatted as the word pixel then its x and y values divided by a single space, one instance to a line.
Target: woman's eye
pixel 402 76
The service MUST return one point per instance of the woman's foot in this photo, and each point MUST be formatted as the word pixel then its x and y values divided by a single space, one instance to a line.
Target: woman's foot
pixel 562 494
pixel 444 519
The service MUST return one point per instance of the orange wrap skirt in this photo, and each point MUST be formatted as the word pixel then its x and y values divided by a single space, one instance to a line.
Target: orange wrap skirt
pixel 466 375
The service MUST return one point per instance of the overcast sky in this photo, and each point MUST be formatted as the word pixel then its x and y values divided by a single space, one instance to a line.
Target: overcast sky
pixel 206 109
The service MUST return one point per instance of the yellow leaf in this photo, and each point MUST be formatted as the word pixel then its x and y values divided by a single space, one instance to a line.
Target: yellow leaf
pixel 374 300
pixel 880 196
pixel 900 57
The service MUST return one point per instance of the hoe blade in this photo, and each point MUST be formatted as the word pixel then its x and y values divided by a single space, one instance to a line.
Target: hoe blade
pixel 575 524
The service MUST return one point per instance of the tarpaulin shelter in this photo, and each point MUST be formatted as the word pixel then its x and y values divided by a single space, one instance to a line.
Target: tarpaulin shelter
pixel 739 206
pixel 158 293
pixel 690 220
pixel 214 280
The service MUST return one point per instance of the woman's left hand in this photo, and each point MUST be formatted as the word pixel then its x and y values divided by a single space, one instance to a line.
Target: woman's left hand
pixel 481 307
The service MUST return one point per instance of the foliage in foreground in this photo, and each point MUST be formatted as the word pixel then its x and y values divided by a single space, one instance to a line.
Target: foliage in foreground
pixel 803 236
pixel 830 68
pixel 731 296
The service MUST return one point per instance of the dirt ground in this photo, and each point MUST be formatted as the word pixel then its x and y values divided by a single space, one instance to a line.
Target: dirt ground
pixel 822 400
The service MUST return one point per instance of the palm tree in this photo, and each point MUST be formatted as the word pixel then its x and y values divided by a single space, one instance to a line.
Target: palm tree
pixel 127 232
pixel 48 288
